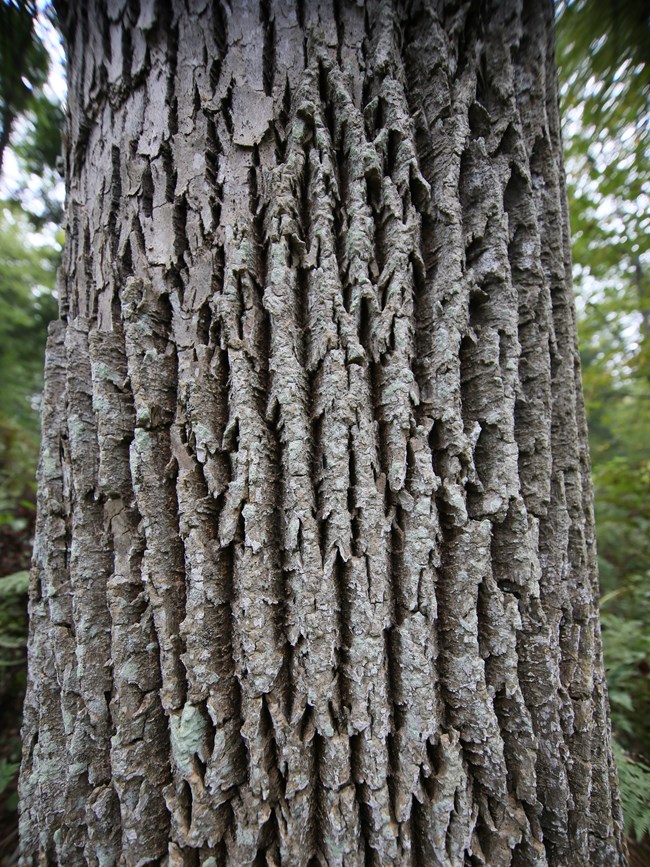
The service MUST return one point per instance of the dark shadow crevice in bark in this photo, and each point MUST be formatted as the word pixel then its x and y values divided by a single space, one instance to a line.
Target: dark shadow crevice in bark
pixel 220 41
pixel 318 818
pixel 179 223
pixel 226 110
pixel 268 53
pixel 169 169
pixel 87 264
pixel 363 796
pixel 334 122
pixel 268 850
pixel 340 574
pixel 318 464
pixel 281 125
pixel 227 669
pixel 285 684
pixel 169 33
pixel 115 198
pixel 214 151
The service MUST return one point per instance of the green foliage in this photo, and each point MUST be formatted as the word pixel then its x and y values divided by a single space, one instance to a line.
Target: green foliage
pixel 604 58
pixel 625 614
pixel 40 146
pixel 27 304
pixel 27 273
pixel 634 780
pixel 603 49
pixel 13 621
pixel 31 118
pixel 8 772
pixel 14 585
pixel 23 63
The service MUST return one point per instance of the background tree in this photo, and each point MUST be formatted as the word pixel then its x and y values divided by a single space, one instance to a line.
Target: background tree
pixel 314 577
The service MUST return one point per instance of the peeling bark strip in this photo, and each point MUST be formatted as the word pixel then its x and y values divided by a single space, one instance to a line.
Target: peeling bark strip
pixel 314 576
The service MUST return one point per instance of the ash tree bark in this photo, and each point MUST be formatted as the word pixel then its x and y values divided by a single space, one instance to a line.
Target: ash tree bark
pixel 314 579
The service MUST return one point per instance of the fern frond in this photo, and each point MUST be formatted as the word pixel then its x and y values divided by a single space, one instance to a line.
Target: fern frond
pixel 634 781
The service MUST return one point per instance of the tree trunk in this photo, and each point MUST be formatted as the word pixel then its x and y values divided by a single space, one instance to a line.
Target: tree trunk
pixel 314 578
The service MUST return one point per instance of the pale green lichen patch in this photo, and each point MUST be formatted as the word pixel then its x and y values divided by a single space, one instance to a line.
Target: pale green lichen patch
pixel 188 736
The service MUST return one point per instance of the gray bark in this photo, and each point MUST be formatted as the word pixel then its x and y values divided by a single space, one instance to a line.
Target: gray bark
pixel 314 579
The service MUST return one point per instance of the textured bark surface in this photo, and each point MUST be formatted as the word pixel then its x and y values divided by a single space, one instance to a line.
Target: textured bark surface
pixel 314 579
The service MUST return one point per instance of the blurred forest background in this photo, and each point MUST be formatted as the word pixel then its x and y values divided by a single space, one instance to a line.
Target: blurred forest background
pixel 604 59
